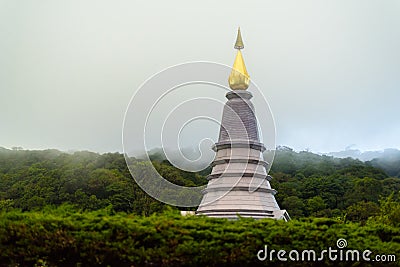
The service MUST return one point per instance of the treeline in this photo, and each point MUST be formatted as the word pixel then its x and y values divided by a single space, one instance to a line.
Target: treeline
pixel 323 186
pixel 84 209
pixel 32 180
pixel 307 184
pixel 66 237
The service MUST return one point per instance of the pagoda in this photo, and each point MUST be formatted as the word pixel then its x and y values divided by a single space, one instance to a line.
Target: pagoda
pixel 238 185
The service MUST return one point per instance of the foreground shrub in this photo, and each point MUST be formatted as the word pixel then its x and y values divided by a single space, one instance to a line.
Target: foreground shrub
pixel 57 238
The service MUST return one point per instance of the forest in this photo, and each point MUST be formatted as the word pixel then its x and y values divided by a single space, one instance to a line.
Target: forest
pixel 87 207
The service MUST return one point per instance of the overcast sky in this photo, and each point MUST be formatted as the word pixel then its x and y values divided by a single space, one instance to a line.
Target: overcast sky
pixel 330 69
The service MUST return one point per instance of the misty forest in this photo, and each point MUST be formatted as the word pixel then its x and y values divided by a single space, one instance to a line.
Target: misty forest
pixel 84 208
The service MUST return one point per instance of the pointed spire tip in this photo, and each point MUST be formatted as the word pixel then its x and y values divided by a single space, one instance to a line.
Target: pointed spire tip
pixel 239 41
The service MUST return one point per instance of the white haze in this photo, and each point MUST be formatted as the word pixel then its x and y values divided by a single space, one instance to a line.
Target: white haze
pixel 330 69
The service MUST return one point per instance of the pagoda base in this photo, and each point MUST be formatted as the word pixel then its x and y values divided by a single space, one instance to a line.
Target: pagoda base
pixel 255 214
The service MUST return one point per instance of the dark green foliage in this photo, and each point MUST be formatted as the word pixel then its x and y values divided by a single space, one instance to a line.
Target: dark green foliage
pixel 307 184
pixel 31 180
pixel 64 237
pixel 361 211
pixel 176 176
pixel 84 209
pixel 305 164
pixel 322 186
pixel 389 211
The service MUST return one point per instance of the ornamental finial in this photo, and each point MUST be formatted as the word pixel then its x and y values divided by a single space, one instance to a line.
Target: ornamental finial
pixel 239 79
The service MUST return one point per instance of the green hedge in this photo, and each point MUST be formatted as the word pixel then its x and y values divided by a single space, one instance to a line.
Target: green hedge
pixel 70 238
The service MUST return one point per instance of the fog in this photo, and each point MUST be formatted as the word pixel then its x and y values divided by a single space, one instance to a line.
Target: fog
pixel 329 69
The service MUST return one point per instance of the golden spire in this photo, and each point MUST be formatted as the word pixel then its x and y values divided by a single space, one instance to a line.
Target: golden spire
pixel 239 41
pixel 239 79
